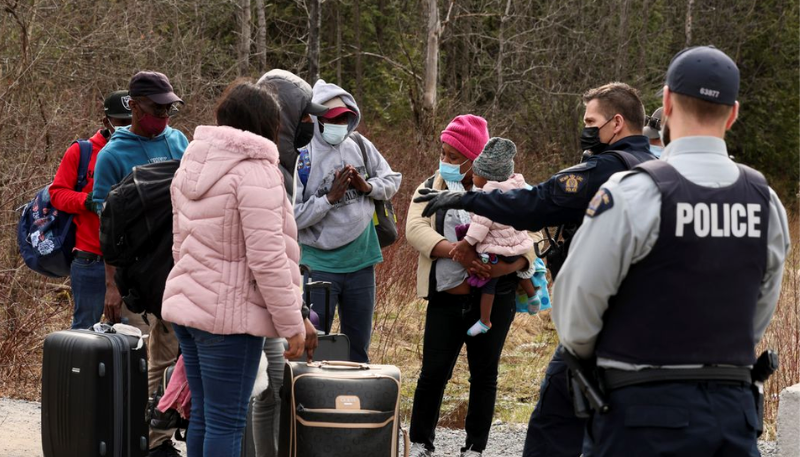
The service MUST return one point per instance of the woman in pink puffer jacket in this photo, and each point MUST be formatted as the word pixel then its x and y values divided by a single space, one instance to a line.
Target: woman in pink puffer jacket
pixel 236 278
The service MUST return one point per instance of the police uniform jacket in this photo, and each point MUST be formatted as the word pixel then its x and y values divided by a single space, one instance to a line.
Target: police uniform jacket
pixel 563 198
pixel 622 227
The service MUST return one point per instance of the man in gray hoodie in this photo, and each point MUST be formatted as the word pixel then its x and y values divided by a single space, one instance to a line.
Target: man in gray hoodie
pixel 334 207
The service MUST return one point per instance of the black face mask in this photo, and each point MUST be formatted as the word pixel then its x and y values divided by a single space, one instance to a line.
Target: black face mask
pixel 303 135
pixel 590 139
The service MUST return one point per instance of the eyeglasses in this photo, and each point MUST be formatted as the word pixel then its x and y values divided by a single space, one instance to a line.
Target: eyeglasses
pixel 157 109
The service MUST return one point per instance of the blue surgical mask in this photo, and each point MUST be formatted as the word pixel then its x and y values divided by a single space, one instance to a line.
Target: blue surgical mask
pixel 451 172
pixel 656 150
pixel 334 134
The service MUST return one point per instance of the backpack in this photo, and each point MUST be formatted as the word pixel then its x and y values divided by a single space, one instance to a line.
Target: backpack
pixel 384 219
pixel 45 235
pixel 136 234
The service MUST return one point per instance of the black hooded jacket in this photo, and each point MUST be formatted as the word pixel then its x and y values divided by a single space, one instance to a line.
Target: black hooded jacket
pixel 294 95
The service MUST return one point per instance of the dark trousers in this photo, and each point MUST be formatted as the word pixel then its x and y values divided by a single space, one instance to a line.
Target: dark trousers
pixel 553 430
pixel 699 419
pixel 354 293
pixel 447 319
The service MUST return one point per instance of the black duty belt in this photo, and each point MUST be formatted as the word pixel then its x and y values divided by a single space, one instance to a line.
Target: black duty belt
pixel 615 379
pixel 87 255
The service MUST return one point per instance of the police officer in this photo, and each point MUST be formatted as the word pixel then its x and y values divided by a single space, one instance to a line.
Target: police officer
pixel 673 278
pixel 612 137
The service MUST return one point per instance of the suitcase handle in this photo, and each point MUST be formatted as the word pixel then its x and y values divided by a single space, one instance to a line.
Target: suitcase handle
pixel 339 364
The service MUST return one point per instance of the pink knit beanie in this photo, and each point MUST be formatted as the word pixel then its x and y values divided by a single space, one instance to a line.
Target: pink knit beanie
pixel 468 134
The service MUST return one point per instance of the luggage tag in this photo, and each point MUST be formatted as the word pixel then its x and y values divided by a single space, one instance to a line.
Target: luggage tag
pixel 348 403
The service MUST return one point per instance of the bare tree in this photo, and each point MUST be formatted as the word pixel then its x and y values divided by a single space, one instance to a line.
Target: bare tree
pixel 244 36
pixel 339 42
pixel 688 27
pixel 314 23
pixel 261 36
pixel 359 50
pixel 431 57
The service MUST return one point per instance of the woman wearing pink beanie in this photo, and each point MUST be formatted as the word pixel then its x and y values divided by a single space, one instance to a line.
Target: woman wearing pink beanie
pixel 452 304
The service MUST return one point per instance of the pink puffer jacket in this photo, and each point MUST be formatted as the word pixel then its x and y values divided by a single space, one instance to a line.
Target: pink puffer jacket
pixel 493 238
pixel 234 239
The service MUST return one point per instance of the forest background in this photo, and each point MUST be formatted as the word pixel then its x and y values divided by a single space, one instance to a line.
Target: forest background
pixel 412 65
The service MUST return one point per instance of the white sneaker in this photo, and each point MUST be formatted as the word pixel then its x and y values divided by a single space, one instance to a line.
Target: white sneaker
pixel 471 453
pixel 418 450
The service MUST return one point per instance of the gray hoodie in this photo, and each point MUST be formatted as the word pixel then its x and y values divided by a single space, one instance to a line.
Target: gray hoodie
pixel 327 226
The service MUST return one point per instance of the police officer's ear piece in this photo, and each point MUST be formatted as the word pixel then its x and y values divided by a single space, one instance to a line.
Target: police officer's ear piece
pixel 653 122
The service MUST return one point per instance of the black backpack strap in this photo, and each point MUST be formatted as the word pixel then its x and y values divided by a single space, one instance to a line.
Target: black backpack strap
pixel 83 165
pixel 360 141
pixel 625 157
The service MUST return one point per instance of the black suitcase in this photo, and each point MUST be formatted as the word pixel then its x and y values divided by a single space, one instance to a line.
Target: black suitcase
pixel 340 409
pixel 94 395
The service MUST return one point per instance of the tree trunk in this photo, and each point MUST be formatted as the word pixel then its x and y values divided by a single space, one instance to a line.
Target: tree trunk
pixel 622 41
pixel 261 38
pixel 688 29
pixel 359 67
pixel 500 51
pixel 431 58
pixel 339 43
pixel 314 18
pixel 244 36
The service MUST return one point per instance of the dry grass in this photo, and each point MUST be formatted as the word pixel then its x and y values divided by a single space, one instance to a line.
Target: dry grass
pixel 31 307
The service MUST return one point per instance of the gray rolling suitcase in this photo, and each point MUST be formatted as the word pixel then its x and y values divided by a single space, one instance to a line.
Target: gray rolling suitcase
pixel 340 409
pixel 94 395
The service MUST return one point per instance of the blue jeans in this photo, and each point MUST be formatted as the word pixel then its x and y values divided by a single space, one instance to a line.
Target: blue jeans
pixel 221 370
pixel 355 295
pixel 88 279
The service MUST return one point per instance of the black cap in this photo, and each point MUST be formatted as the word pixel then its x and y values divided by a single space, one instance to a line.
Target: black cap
pixel 153 85
pixel 706 73
pixel 116 105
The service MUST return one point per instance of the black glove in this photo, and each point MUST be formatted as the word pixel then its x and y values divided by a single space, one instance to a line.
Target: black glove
pixel 439 199
pixel 89 203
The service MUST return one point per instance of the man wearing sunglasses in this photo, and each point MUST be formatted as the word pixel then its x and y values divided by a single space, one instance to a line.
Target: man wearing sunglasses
pixel 149 139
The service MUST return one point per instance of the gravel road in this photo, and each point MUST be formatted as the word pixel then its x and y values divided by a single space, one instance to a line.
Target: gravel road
pixel 20 435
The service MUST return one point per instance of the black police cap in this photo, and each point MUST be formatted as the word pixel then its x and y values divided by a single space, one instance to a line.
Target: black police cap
pixel 706 73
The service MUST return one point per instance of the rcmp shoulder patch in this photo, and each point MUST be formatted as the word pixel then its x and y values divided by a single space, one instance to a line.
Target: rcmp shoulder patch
pixel 601 201
pixel 571 183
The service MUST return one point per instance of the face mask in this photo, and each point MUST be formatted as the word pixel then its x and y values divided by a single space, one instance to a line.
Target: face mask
pixel 590 139
pixel 303 135
pixel 664 132
pixel 451 172
pixel 152 125
pixel 334 134
pixel 656 150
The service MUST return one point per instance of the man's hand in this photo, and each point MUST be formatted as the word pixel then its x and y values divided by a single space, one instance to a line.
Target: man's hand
pixel 296 344
pixel 89 203
pixel 341 182
pixel 311 340
pixel 439 199
pixel 358 182
pixel 112 304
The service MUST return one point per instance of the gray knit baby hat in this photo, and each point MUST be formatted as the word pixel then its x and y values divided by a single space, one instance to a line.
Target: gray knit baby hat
pixel 496 162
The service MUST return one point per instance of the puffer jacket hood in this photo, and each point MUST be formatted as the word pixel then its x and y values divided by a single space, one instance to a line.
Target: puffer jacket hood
pixel 294 95
pixel 226 147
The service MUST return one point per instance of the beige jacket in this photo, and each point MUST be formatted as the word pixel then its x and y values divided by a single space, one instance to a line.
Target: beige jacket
pixel 421 235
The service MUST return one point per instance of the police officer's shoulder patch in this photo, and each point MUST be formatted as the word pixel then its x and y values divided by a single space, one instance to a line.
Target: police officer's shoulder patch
pixel 600 203
pixel 571 183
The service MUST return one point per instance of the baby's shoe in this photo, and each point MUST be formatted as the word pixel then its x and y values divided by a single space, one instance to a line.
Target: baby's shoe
pixel 478 328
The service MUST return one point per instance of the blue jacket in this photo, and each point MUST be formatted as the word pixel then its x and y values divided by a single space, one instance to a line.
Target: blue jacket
pixel 126 150
pixel 563 198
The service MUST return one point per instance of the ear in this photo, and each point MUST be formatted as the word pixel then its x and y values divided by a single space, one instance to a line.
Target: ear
pixel 666 102
pixel 619 123
pixel 733 116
